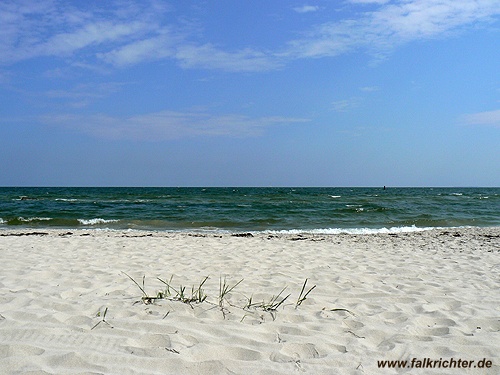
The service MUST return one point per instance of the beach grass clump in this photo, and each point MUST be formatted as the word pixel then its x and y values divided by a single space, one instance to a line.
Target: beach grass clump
pixel 275 302
pixel 225 289
pixel 302 295
pixel 197 295
pixel 270 306
pixel 146 298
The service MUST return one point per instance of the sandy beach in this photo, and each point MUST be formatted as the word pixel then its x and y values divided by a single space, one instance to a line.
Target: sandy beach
pixel 68 304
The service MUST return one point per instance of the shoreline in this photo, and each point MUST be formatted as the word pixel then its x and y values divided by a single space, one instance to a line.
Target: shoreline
pixel 8 230
pixel 67 305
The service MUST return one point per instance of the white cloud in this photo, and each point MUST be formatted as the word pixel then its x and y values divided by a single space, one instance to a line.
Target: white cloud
pixel 483 118
pixel 91 34
pixel 306 9
pixel 154 48
pixel 48 28
pixel 392 24
pixel 369 1
pixel 125 33
pixel 208 56
pixel 370 88
pixel 167 125
pixel 346 104
pixel 118 37
pixel 189 55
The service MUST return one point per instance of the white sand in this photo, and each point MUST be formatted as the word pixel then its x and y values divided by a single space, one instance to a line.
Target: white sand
pixel 433 294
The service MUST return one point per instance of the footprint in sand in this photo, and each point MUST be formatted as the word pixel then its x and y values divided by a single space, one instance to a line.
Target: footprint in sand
pixel 153 341
pixel 430 326
pixel 292 352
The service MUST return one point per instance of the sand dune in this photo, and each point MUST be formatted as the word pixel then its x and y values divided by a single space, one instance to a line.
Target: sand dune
pixel 68 307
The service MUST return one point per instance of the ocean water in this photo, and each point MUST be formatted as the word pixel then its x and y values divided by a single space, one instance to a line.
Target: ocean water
pixel 315 210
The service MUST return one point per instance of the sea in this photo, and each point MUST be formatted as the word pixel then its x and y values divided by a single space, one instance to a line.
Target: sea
pixel 249 209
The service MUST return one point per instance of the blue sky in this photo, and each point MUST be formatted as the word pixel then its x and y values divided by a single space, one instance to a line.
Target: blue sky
pixel 250 93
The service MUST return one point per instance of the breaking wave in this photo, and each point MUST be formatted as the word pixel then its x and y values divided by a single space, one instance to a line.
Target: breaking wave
pixel 391 230
pixel 96 221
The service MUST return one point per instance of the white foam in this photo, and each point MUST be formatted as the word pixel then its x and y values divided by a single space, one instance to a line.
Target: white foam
pixel 2 221
pixel 413 228
pixel 34 219
pixel 95 221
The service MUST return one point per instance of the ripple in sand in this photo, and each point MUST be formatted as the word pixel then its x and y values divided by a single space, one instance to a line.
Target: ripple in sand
pixel 15 350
